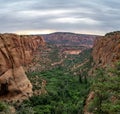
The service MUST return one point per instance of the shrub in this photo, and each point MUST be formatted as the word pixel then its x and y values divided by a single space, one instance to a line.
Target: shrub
pixel 4 108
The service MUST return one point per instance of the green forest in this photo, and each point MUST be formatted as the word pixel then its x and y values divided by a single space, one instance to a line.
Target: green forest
pixel 65 94
pixel 106 85
pixel 66 90
pixel 67 87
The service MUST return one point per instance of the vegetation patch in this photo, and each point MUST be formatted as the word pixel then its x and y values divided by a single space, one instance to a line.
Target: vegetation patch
pixel 65 94
pixel 106 86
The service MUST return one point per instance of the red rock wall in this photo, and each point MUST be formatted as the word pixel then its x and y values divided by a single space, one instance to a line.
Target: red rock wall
pixel 106 50
pixel 16 51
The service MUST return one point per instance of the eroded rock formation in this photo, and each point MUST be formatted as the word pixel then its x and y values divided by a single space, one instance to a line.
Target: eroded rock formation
pixel 16 51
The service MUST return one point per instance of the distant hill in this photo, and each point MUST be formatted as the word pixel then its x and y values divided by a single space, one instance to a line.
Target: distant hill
pixel 69 39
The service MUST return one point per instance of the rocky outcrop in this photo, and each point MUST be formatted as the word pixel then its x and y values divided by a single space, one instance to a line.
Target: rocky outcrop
pixel 16 51
pixel 88 100
pixel 106 50
pixel 72 52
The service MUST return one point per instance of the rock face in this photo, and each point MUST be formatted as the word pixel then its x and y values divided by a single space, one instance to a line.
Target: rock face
pixel 70 39
pixel 106 50
pixel 72 52
pixel 16 51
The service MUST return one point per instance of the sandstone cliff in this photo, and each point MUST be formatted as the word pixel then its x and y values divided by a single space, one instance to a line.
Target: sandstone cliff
pixel 106 49
pixel 106 52
pixel 15 52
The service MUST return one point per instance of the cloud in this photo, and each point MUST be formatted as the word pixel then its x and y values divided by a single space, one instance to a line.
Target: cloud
pixel 74 20
pixel 34 31
pixel 96 16
pixel 38 13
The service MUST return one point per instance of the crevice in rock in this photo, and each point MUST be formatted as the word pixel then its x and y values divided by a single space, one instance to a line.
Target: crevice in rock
pixel 4 89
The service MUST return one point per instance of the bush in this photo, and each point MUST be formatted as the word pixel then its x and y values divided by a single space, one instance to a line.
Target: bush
pixel 4 108
pixel 24 109
pixel 106 88
pixel 91 106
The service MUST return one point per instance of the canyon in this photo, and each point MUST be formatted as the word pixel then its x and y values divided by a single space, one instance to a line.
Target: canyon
pixel 17 53
pixel 60 69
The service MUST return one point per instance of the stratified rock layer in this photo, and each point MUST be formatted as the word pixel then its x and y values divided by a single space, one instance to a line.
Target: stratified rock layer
pixel 16 51
pixel 70 39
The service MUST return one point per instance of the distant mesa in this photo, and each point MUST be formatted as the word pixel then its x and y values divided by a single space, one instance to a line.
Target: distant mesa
pixel 70 39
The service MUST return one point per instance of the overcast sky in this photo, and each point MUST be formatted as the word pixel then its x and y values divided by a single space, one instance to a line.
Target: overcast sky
pixel 45 16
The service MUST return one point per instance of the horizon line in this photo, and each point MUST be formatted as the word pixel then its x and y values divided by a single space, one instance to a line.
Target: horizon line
pixel 51 32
